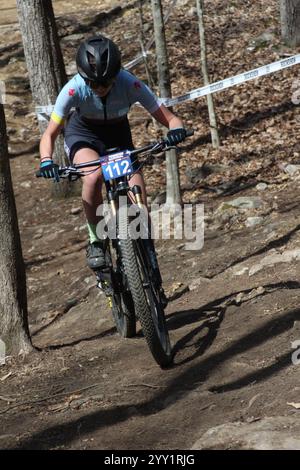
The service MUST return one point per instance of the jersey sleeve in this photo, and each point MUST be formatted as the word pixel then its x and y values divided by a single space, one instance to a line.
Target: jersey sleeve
pixel 139 92
pixel 67 99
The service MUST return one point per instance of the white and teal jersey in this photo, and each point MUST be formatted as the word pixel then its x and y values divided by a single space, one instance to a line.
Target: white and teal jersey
pixel 126 91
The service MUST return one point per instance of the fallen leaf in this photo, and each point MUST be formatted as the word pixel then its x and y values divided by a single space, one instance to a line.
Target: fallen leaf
pixel 295 405
pixel 6 376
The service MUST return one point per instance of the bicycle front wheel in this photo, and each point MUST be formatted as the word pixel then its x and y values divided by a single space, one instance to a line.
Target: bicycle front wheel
pixel 147 310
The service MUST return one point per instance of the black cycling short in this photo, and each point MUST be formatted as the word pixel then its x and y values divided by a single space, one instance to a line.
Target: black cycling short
pixel 83 133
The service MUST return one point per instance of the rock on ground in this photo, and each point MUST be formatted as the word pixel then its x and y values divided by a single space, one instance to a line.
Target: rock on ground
pixel 279 433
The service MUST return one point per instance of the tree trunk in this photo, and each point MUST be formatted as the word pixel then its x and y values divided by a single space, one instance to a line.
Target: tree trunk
pixel 13 299
pixel 172 171
pixel 142 42
pixel 210 103
pixel 44 61
pixel 290 21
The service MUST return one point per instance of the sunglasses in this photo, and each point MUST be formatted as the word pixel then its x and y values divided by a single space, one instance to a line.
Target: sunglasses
pixel 103 84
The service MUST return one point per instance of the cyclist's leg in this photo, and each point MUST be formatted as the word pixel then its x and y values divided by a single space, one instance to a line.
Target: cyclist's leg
pixel 91 199
pixel 91 184
pixel 82 144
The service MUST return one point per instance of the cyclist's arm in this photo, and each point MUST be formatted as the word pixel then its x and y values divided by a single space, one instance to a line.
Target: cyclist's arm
pixel 139 92
pixel 67 98
pixel 165 117
pixel 48 139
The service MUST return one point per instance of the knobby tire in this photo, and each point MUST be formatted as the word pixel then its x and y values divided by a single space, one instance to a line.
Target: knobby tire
pixel 161 353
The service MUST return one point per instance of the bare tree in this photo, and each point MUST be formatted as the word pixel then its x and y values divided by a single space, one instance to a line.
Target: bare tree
pixel 290 21
pixel 164 84
pixel 210 103
pixel 13 298
pixel 44 60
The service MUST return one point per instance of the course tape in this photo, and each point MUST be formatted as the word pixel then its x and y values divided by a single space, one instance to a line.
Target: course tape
pixel 135 61
pixel 44 112
pixel 233 81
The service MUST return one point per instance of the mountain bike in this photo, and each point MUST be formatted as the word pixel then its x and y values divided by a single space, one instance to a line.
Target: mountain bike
pixel 129 278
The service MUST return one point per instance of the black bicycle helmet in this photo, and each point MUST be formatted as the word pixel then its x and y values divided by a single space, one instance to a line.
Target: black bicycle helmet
pixel 98 59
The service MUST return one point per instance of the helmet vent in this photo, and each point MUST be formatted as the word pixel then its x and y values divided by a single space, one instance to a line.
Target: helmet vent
pixel 92 61
pixel 104 63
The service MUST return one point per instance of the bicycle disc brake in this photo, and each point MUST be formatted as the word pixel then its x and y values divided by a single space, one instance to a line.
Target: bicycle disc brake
pixel 104 281
pixel 104 277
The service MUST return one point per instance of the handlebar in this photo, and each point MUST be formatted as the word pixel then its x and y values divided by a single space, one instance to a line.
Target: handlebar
pixel 154 147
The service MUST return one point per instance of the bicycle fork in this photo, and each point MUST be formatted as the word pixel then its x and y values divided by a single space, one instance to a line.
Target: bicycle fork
pixel 148 242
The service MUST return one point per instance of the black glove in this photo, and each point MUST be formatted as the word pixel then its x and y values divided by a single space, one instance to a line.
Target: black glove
pixel 175 136
pixel 48 169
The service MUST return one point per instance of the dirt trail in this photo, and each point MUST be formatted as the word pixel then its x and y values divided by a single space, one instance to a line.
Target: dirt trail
pixel 235 311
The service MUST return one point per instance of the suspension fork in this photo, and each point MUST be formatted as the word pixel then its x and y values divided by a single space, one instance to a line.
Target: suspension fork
pixel 137 193
pixel 148 243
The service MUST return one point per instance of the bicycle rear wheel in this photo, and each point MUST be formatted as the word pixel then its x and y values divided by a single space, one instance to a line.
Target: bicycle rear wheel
pixel 121 302
pixel 147 308
pixel 122 317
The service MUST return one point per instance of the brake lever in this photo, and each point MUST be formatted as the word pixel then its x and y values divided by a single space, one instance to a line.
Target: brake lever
pixel 67 174
pixel 171 147
pixel 73 177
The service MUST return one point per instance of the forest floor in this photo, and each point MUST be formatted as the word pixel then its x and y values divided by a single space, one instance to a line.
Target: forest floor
pixel 234 312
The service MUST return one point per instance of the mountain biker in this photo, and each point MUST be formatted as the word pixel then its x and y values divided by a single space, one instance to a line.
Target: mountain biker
pixel 102 94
